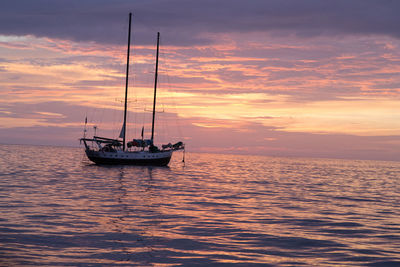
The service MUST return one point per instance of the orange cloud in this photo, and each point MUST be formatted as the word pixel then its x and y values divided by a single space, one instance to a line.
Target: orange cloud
pixel 350 87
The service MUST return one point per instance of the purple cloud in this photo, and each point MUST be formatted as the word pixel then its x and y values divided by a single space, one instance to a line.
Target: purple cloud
pixel 185 22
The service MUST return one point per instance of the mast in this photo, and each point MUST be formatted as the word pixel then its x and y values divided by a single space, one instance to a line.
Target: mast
pixel 155 88
pixel 126 82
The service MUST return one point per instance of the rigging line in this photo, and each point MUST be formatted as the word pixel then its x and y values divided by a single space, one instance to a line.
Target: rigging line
pixel 132 76
pixel 172 99
pixel 92 119
pixel 165 129
pixel 100 120
pixel 144 115
pixel 134 122
pixel 114 117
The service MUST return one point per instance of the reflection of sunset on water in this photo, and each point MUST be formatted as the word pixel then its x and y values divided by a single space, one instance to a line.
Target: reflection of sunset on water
pixel 214 209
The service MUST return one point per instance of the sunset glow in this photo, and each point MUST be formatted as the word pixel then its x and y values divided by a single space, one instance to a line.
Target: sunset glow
pixel 262 90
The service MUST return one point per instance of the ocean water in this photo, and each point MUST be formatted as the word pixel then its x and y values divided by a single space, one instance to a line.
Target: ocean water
pixel 57 209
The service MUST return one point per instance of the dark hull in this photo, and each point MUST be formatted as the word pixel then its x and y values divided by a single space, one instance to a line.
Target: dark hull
pixel 140 162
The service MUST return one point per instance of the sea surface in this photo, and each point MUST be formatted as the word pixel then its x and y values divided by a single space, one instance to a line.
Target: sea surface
pixel 58 209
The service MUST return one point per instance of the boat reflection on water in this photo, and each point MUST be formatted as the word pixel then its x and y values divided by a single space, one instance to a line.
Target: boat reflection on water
pixel 123 223
pixel 133 222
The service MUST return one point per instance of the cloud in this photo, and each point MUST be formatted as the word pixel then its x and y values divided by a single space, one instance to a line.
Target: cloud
pixel 235 137
pixel 22 118
pixel 259 139
pixel 265 77
pixel 189 22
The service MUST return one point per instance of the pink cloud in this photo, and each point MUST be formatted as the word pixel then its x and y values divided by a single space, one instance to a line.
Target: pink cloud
pixel 263 95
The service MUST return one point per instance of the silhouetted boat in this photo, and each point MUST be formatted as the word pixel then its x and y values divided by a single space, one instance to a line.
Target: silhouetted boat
pixel 103 150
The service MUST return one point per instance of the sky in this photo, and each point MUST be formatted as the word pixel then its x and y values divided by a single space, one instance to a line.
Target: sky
pixel 298 78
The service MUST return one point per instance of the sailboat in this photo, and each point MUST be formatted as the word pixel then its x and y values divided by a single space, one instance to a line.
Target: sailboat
pixel 102 150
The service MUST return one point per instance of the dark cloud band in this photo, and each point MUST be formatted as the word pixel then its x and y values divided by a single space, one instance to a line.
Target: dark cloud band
pixel 187 21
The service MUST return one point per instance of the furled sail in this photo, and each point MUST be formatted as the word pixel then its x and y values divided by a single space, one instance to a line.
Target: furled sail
pixel 121 134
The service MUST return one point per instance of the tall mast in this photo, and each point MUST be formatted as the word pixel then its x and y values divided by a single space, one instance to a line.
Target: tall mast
pixel 126 82
pixel 155 88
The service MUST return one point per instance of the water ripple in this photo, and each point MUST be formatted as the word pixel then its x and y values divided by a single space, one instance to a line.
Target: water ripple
pixel 56 210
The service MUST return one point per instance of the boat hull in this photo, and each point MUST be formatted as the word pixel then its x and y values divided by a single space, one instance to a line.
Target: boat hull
pixel 130 158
